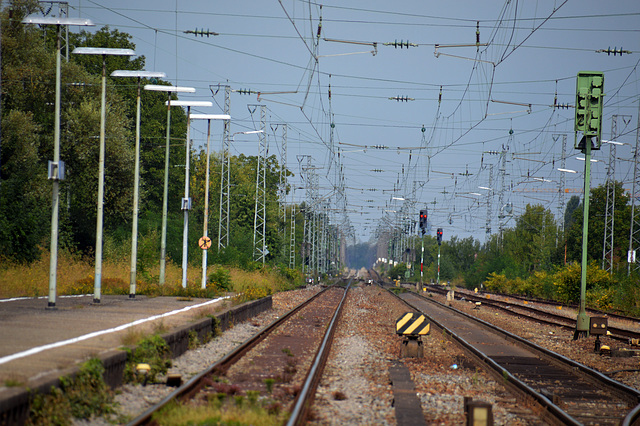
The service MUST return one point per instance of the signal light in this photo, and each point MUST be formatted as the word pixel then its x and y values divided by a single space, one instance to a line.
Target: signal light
pixel 439 236
pixel 588 117
pixel 423 221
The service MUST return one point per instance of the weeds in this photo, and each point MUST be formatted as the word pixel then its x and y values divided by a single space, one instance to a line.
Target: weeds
pixel 269 384
pixel 82 397
pixel 151 350
pixel 220 410
pixel 194 342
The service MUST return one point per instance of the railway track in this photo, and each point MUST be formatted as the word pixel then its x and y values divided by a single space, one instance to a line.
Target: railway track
pixel 541 315
pixel 555 304
pixel 569 393
pixel 285 361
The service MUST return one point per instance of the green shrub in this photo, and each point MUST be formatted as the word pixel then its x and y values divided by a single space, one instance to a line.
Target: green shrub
pixel 82 397
pixel 152 350
pixel 220 279
pixel 496 283
pixel 568 281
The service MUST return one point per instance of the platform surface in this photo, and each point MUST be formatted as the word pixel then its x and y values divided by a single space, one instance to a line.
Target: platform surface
pixel 83 329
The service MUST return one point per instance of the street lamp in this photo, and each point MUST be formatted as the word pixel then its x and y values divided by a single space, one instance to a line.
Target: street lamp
pixel 56 168
pixel 163 238
pixel 104 51
pixel 567 170
pixel 134 233
pixel 186 201
pixel 205 237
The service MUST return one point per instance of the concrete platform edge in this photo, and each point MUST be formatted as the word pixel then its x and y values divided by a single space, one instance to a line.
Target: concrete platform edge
pixel 15 401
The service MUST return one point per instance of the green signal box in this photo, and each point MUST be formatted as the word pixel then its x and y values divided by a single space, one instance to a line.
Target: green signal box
pixel 588 119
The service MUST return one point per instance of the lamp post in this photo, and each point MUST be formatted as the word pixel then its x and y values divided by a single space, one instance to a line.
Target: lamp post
pixel 104 52
pixel 134 233
pixel 205 236
pixel 163 238
pixel 186 201
pixel 56 166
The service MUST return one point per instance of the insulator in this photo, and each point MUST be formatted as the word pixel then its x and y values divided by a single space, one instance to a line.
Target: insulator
pixel 477 32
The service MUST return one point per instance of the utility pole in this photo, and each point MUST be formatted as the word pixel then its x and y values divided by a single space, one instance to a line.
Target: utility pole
pixel 634 229
pixel 225 177
pixel 292 238
pixel 562 182
pixel 489 204
pixel 282 186
pixel 609 218
pixel 259 218
pixel 503 171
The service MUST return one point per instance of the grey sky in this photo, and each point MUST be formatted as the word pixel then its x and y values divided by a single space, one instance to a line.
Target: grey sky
pixel 467 98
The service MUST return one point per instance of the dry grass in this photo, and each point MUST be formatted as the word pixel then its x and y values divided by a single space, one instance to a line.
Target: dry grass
pixel 76 276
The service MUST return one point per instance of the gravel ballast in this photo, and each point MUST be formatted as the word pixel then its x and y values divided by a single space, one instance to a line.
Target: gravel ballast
pixel 356 388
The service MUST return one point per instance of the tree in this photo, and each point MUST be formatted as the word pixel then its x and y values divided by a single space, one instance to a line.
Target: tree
pixel 534 239
pixel 572 205
pixel 28 69
pixel 597 211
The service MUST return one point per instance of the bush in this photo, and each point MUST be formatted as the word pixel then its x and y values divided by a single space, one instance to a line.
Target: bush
pixel 567 281
pixel 82 397
pixel 220 279
pixel 497 283
pixel 152 350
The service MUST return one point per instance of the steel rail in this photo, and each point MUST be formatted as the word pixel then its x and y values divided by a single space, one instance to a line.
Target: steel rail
pixel 583 368
pixel 541 399
pixel 499 371
pixel 307 394
pixel 193 385
pixel 616 332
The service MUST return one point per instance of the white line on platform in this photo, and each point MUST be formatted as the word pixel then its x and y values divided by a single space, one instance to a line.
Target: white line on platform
pixel 42 348
pixel 13 299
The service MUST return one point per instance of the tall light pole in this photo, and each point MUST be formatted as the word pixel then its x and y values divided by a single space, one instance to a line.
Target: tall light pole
pixel 56 168
pixel 163 239
pixel 205 231
pixel 136 183
pixel 104 52
pixel 186 201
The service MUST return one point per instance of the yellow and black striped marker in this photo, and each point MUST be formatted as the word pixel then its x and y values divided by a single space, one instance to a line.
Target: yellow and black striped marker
pixel 412 324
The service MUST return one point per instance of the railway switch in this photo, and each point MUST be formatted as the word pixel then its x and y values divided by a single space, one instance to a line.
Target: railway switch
pixel 598 327
pixel 412 326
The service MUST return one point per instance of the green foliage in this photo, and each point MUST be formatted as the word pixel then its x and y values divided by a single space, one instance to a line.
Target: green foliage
pixel 88 393
pixel 568 281
pixel 220 279
pixel 82 397
pixel 194 342
pixel 397 271
pixel 597 209
pixel 152 350
pixel 52 409
pixel 496 283
pixel 541 284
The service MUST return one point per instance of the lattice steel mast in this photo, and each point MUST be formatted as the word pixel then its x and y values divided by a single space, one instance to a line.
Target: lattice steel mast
pixel 259 218
pixel 225 177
